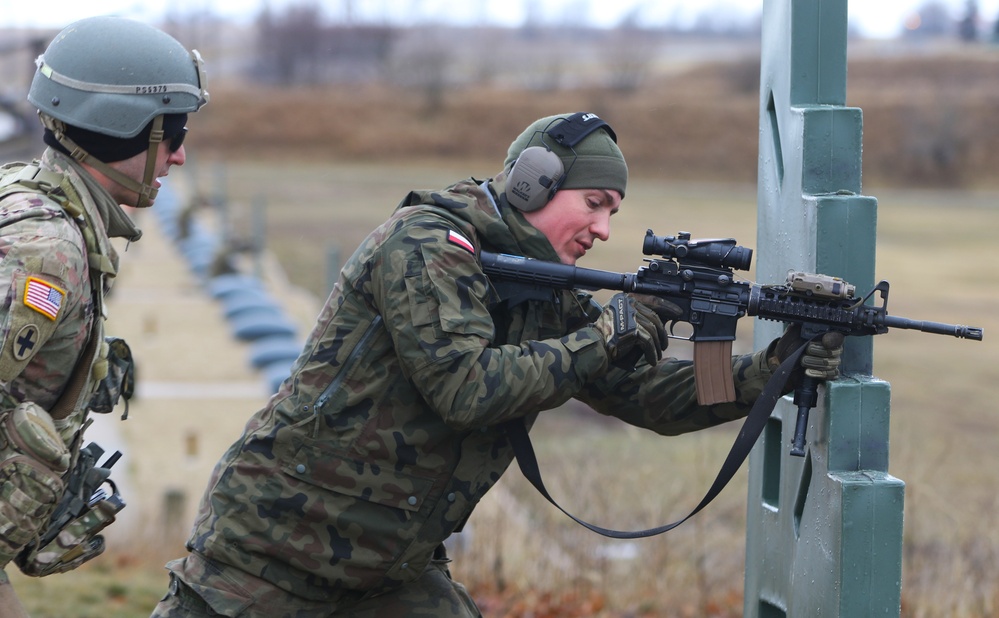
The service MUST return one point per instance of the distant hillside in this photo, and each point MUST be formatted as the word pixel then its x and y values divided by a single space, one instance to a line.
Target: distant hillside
pixel 929 120
pixel 687 110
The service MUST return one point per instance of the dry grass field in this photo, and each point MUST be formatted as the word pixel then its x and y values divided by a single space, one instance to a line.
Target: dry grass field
pixel 520 555
pixel 333 168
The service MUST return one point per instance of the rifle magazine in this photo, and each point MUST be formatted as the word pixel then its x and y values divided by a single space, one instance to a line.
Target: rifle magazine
pixel 713 372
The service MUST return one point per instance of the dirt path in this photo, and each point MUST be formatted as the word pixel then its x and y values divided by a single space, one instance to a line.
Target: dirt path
pixel 195 386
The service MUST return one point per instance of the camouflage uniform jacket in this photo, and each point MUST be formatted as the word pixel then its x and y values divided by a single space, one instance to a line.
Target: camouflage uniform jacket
pixel 389 430
pixel 48 308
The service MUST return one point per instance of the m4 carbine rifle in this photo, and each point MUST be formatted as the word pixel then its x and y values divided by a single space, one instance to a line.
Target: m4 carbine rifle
pixel 698 277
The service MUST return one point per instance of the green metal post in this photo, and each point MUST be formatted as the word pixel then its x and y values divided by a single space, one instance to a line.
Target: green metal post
pixel 824 532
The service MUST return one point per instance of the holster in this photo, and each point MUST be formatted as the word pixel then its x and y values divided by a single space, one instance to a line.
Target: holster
pixel 85 509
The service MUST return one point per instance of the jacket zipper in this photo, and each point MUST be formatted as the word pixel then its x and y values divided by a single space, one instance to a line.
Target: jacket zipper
pixel 324 397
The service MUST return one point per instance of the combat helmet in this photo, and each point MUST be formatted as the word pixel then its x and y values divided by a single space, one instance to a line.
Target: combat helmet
pixel 117 78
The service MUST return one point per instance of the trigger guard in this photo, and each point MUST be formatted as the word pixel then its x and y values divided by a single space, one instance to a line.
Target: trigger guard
pixel 671 328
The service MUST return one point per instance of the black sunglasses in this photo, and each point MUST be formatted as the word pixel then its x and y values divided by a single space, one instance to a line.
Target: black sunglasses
pixel 177 140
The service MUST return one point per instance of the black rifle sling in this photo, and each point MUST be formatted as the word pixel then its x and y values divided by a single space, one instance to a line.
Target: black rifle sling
pixel 752 427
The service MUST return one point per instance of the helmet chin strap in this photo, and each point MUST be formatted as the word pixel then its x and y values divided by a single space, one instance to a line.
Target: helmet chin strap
pixel 145 189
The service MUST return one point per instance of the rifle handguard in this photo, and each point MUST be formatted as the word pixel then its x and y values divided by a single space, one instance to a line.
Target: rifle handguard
pixel 713 372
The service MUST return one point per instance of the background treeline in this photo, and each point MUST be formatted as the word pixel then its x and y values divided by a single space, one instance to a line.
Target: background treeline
pixel 684 100
pixel 309 81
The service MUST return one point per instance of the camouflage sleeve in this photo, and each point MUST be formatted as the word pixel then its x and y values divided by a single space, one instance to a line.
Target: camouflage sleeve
pixel 42 274
pixel 434 298
pixel 664 399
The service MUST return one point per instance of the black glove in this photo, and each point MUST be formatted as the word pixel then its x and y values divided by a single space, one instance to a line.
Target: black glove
pixel 821 359
pixel 631 330
pixel 665 309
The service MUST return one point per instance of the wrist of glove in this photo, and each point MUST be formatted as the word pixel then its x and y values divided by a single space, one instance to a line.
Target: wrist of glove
pixel 821 359
pixel 631 331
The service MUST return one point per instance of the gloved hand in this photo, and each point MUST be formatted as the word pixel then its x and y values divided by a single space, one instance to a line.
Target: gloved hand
pixel 821 359
pixel 665 309
pixel 631 330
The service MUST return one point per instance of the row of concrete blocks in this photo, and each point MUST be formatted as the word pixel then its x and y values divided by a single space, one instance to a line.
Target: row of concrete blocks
pixel 250 310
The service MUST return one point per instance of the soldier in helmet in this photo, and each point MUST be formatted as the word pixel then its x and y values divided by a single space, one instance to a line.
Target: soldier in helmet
pixel 114 96
pixel 394 423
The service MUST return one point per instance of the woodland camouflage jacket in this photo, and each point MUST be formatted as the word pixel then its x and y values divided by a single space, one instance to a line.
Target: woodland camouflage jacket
pixel 389 430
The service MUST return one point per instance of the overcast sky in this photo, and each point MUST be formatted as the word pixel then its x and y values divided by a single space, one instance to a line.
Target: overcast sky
pixel 877 18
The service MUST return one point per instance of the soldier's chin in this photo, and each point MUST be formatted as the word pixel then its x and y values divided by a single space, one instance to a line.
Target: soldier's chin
pixel 150 200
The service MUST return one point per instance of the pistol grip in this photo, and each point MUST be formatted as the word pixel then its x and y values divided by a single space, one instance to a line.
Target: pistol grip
pixel 713 372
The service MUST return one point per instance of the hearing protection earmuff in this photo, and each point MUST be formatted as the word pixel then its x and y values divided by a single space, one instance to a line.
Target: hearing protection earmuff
pixel 538 172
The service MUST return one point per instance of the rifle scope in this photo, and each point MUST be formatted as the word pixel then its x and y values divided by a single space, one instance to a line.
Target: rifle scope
pixel 711 252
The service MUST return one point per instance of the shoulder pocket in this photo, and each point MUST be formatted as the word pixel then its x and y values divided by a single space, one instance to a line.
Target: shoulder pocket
pixel 462 295
pixel 423 305
pixel 31 320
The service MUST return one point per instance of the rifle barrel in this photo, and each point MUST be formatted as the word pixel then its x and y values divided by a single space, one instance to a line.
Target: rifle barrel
pixel 540 272
pixel 937 328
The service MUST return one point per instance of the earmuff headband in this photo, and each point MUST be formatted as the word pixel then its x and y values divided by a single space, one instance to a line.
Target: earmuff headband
pixel 538 172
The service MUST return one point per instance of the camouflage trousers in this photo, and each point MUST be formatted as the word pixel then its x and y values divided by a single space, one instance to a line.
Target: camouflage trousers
pixel 10 605
pixel 200 588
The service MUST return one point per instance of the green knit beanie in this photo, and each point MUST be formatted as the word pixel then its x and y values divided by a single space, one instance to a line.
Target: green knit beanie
pixel 597 164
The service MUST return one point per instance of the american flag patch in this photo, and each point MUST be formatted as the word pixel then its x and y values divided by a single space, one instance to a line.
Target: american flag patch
pixel 43 297
pixel 461 241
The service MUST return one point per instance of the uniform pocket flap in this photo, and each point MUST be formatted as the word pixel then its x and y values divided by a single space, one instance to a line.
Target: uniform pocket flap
pixel 359 479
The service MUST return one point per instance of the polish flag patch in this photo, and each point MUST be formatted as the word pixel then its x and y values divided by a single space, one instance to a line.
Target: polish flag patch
pixel 461 241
